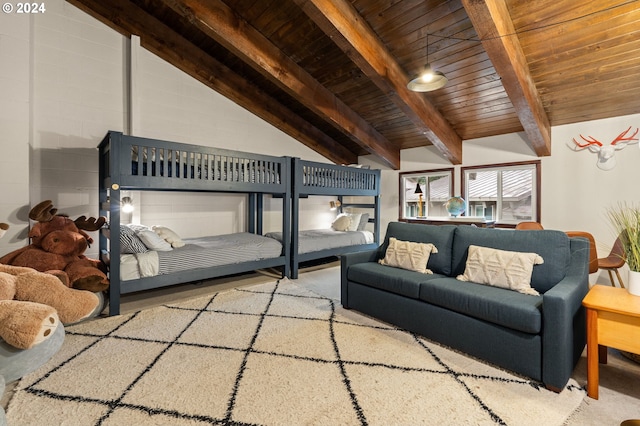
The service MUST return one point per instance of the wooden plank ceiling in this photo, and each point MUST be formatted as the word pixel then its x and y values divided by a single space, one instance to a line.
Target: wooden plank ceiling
pixel 333 73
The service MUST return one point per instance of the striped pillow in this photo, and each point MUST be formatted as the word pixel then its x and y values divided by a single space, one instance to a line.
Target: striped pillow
pixel 130 242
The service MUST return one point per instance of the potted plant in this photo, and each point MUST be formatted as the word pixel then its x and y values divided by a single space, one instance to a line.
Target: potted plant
pixel 626 223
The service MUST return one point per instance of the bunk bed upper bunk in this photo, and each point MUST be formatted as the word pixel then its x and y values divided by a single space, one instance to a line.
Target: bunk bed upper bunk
pixel 129 163
pixel 314 178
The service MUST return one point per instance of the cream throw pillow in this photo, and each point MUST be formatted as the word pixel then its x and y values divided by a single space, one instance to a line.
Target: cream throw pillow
pixel 169 236
pixel 499 268
pixel 341 223
pixel 408 255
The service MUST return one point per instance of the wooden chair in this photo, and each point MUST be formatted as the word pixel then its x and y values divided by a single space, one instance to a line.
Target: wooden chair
pixel 593 253
pixel 529 225
pixel 614 261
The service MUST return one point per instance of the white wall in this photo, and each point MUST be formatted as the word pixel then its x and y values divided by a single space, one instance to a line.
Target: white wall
pixel 64 78
pixel 15 78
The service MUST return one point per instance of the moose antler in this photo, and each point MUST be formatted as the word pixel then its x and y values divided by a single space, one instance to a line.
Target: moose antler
pixel 589 142
pixel 91 224
pixel 43 212
pixel 621 137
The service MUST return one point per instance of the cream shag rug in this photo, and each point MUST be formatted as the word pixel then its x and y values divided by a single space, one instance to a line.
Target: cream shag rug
pixel 272 354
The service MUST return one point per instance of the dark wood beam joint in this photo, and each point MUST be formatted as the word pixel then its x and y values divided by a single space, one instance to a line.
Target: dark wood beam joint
pixel 495 28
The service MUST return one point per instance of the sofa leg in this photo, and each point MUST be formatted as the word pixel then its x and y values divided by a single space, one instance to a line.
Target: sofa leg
pixel 553 388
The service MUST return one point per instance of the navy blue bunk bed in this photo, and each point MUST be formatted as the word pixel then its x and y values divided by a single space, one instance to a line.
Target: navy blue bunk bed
pixel 141 164
pixel 314 178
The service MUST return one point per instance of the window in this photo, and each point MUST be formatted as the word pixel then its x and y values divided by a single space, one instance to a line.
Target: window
pixel 507 193
pixel 424 193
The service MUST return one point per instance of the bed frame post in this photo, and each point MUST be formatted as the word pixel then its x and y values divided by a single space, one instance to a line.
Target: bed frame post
pixel 295 214
pixel 251 212
pixel 259 212
pixel 376 224
pixel 287 215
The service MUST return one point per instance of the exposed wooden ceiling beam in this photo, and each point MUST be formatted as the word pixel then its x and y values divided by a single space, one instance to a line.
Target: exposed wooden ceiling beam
pixel 342 23
pixel 495 28
pixel 165 43
pixel 217 20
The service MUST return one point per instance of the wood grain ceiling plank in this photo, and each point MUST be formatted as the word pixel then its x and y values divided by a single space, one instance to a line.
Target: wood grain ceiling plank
pixel 161 40
pixel 493 25
pixel 348 30
pixel 220 22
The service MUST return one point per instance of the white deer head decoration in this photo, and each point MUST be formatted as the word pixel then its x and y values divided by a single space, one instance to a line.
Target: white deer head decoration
pixel 606 153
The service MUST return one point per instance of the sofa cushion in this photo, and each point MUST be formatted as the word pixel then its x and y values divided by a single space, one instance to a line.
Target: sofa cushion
pixel 496 305
pixel 501 268
pixel 551 245
pixel 439 236
pixel 408 255
pixel 394 280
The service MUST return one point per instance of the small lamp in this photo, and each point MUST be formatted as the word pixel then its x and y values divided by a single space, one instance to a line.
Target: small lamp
pixel 419 192
pixel 127 204
pixel 334 204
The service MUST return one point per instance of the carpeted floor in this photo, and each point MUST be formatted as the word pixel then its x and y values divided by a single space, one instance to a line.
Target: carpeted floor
pixel 270 354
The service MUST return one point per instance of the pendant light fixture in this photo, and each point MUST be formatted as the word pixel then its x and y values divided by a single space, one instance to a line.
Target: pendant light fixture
pixel 429 79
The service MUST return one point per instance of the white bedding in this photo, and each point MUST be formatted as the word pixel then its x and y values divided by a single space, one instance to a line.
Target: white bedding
pixel 204 252
pixel 322 239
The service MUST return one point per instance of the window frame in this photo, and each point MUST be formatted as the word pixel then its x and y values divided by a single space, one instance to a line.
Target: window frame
pixel 420 173
pixel 536 191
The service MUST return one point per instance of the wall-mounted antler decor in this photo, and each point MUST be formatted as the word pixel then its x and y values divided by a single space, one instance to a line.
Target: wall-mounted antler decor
pixel 606 153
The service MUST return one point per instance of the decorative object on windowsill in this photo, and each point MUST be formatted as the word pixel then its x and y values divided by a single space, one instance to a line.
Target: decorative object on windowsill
pixel 456 206
pixel 420 201
pixel 429 79
pixel 334 204
pixel 625 219
pixel 127 204
pixel 606 154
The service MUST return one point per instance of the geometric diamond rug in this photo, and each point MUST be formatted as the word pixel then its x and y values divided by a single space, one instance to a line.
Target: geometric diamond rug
pixel 271 354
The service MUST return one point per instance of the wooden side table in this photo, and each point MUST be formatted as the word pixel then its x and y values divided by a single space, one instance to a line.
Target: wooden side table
pixel 613 319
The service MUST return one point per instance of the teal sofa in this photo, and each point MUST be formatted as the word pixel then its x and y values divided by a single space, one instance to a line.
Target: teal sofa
pixel 541 337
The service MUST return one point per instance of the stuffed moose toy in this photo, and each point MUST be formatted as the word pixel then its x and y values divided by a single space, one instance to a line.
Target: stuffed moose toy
pixel 57 247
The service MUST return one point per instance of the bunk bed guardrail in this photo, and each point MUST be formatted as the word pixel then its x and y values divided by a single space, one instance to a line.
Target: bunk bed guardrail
pixel 136 163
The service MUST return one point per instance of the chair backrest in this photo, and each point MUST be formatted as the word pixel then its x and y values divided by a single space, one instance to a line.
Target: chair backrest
pixel 529 225
pixel 593 254
pixel 617 256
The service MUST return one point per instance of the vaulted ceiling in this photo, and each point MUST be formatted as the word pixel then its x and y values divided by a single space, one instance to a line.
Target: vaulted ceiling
pixel 333 73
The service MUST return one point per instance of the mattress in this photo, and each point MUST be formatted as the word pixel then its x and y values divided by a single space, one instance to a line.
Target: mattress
pixel 323 239
pixel 203 252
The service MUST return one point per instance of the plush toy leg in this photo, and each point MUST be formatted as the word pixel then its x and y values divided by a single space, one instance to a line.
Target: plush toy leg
pixel 72 305
pixel 26 324
pixel 84 275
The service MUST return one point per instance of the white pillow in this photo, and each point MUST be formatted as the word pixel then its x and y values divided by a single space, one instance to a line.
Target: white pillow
pixel 355 221
pixel 408 255
pixel 500 268
pixel 341 223
pixel 153 241
pixel 169 236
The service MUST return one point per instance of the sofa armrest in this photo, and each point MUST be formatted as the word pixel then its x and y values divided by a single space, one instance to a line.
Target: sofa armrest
pixel 347 260
pixel 564 335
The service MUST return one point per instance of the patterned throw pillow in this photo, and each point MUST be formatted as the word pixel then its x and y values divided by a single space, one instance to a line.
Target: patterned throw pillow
pixel 408 255
pixel 130 242
pixel 500 268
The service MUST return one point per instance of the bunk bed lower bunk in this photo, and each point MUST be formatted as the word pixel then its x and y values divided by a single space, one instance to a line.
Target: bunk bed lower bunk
pixel 314 178
pixel 136 257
